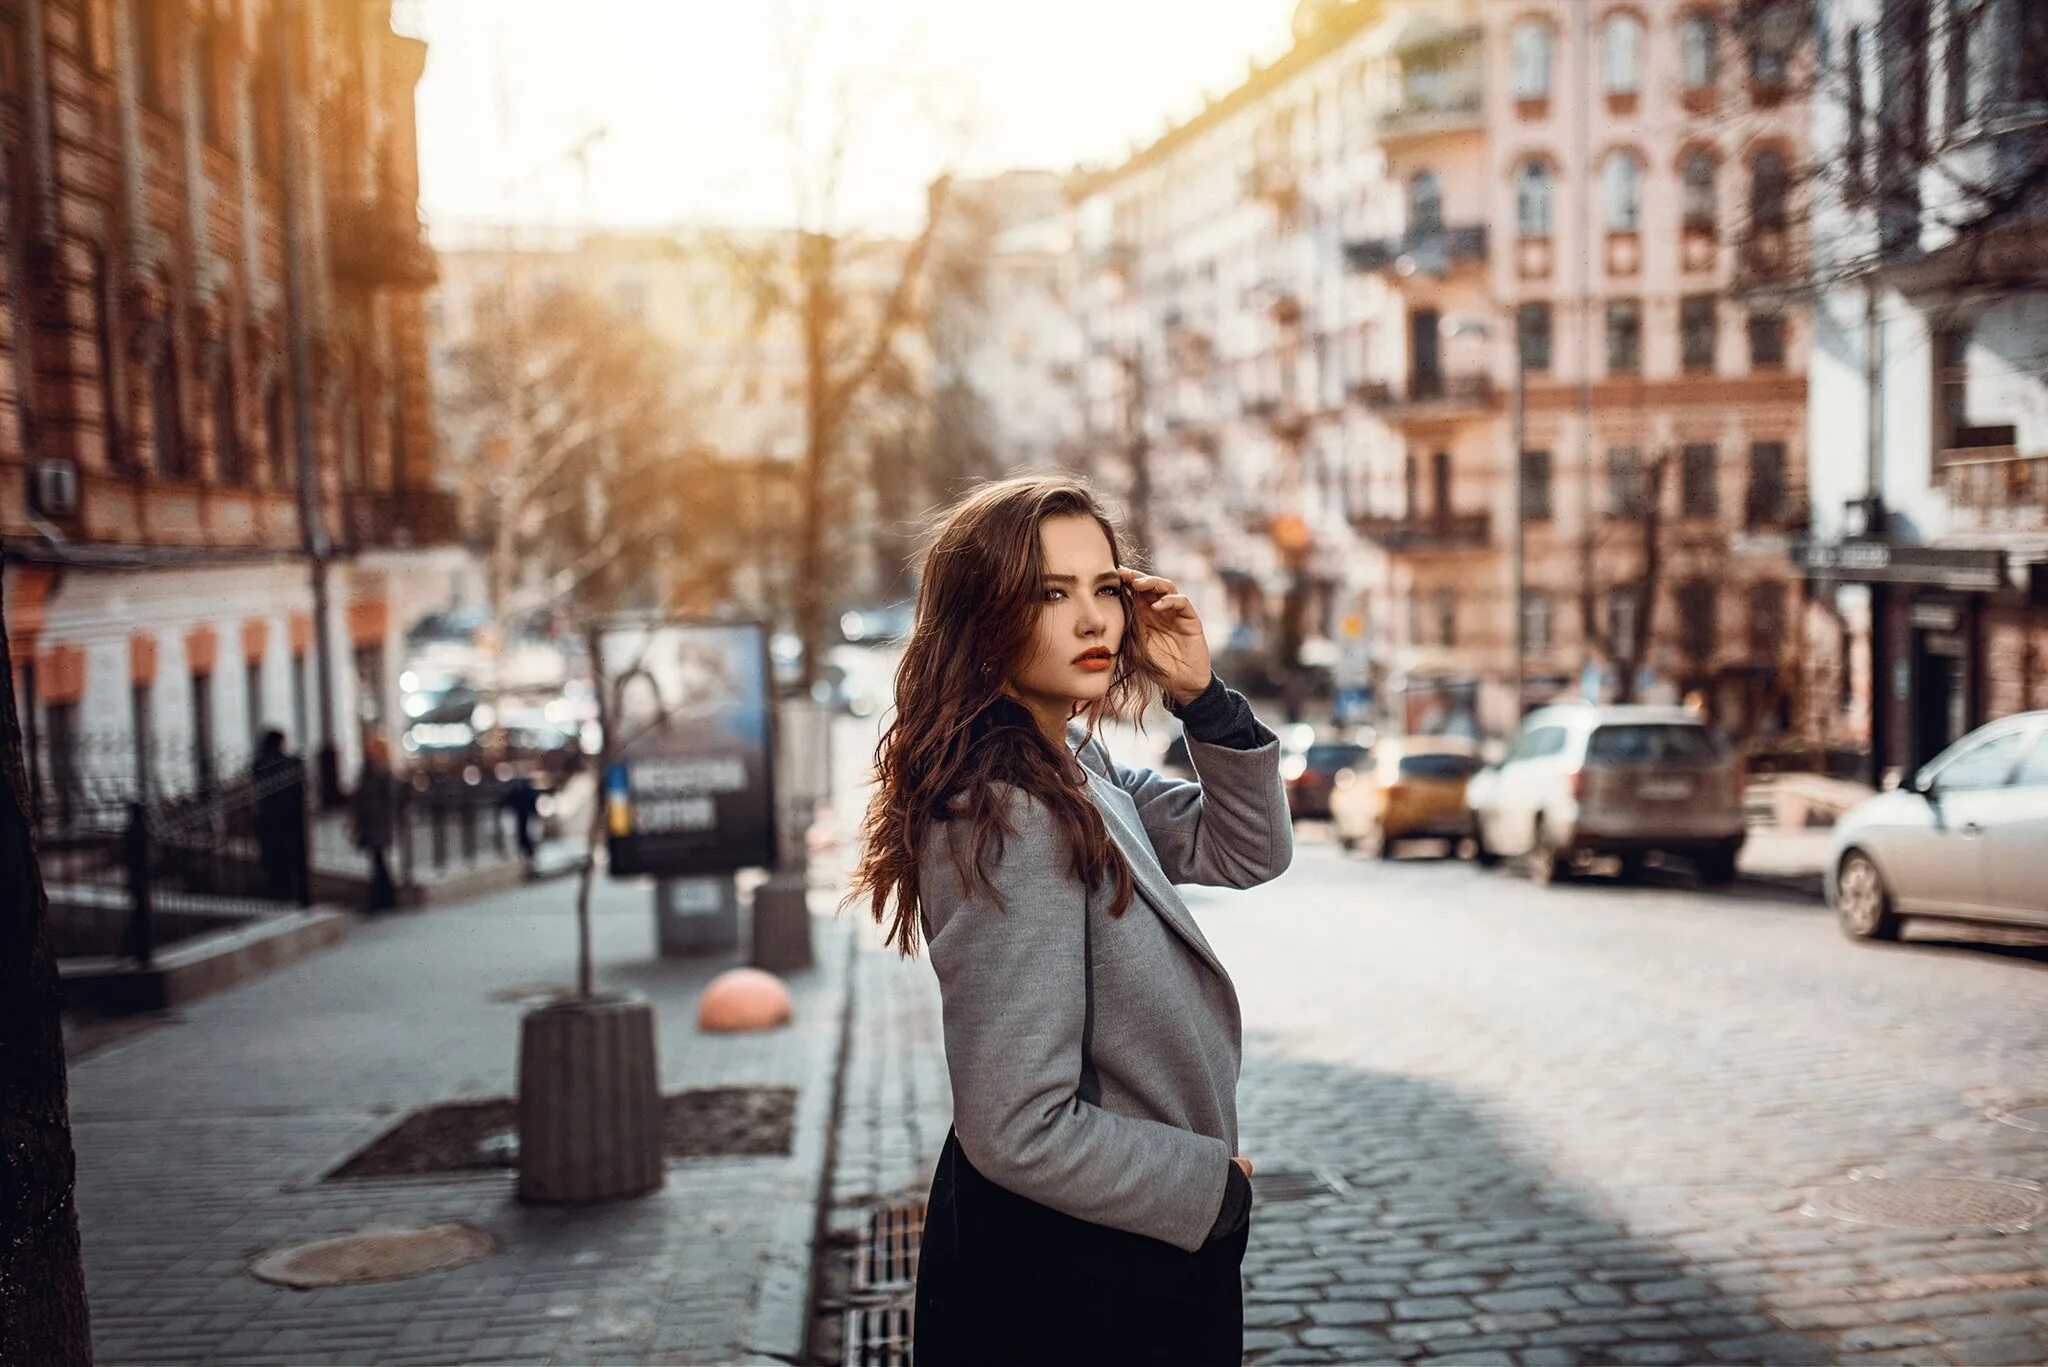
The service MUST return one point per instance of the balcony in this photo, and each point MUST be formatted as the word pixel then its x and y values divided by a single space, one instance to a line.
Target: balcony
pixel 1442 532
pixel 1276 183
pixel 380 241
pixel 1995 489
pixel 397 519
pixel 1432 398
pixel 1414 114
pixel 1429 252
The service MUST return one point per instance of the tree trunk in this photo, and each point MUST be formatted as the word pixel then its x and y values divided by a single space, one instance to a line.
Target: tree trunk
pixel 1646 587
pixel 43 1317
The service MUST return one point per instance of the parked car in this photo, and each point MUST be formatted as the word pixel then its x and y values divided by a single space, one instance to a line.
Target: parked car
pixel 1412 789
pixel 1311 774
pixel 1965 837
pixel 1585 780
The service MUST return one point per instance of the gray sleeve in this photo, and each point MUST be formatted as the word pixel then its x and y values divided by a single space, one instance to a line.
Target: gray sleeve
pixel 1230 827
pixel 1014 998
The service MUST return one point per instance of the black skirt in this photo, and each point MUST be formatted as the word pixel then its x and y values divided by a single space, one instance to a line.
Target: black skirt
pixel 1003 1279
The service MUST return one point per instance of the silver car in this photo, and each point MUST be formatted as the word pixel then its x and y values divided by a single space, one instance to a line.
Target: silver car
pixel 1966 837
pixel 1586 780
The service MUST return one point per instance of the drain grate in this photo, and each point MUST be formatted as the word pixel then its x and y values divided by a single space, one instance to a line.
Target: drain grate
pixel 2032 1115
pixel 1948 1203
pixel 374 1255
pixel 879 1335
pixel 887 1258
pixel 1291 1184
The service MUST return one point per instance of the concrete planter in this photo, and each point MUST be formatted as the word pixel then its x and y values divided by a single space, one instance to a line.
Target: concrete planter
pixel 590 1109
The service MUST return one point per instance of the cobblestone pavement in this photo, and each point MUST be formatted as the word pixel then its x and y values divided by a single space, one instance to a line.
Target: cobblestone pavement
pixel 1577 1124
pixel 201 1143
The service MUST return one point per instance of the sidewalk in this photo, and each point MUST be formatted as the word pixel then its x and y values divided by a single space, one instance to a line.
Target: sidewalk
pixel 202 1144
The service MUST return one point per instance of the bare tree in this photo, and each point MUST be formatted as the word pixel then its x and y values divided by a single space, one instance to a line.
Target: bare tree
pixel 43 1316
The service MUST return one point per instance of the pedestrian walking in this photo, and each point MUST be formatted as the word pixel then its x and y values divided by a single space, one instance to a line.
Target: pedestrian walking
pixel 279 780
pixel 1090 1204
pixel 522 800
pixel 376 820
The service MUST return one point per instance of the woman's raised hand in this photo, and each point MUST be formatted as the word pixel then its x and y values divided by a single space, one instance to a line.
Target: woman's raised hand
pixel 1173 636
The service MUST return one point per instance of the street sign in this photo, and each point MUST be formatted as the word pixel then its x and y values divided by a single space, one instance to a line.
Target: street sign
pixel 689 788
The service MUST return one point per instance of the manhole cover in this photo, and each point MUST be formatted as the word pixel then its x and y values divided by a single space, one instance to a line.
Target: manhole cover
pixel 374 1255
pixel 1953 1203
pixel 2031 1116
pixel 887 1258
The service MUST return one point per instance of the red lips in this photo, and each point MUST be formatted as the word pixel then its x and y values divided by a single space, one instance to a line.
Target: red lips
pixel 1097 654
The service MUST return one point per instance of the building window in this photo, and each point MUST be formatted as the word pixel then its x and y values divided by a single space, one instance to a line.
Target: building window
pixel 1696 619
pixel 1961 99
pixel 1531 52
pixel 1951 385
pixel 1624 336
pixel 1535 622
pixel 229 466
pixel 202 732
pixel 1532 328
pixel 209 47
pixel 1536 486
pixel 152 59
pixel 1698 495
pixel 1697 60
pixel 1425 205
pixel 1854 148
pixel 1766 503
pixel 1621 622
pixel 1622 190
pixel 1766 339
pixel 1696 191
pixel 1627 491
pixel 1532 199
pixel 277 436
pixel 107 354
pixel 1447 617
pixel 1411 487
pixel 168 432
pixel 1696 331
pixel 1766 621
pixel 1767 186
pixel 1621 50
pixel 1769 44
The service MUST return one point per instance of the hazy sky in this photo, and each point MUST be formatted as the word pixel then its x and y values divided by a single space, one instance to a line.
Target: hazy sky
pixel 692 96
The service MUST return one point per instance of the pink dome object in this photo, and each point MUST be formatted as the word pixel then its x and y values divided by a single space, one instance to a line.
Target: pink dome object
pixel 743 999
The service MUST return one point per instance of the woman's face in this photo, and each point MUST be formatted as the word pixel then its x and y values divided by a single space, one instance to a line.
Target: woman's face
pixel 1080 614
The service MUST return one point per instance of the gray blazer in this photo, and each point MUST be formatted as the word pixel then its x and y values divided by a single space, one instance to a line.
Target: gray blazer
pixel 1141 1140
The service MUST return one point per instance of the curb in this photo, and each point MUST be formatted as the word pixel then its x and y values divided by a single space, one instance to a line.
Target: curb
pixel 780 1323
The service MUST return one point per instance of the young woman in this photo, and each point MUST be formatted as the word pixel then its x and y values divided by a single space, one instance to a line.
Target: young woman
pixel 1090 1204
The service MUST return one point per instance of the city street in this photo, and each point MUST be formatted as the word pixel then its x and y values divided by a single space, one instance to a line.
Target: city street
pixel 1586 1119
pixel 1584 1123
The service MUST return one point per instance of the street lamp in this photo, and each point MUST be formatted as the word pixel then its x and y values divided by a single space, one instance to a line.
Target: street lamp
pixel 1461 325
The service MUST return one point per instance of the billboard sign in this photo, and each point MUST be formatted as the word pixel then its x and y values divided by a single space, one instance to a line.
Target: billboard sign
pixel 689 787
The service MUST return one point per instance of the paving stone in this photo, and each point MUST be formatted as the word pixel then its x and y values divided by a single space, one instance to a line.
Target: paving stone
pixel 1982 1326
pixel 1432 1308
pixel 2000 1352
pixel 1349 1312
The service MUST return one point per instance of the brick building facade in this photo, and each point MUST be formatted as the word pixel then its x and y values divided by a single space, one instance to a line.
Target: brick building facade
pixel 218 493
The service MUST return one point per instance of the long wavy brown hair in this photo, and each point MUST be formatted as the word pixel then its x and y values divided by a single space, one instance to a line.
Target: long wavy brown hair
pixel 957 733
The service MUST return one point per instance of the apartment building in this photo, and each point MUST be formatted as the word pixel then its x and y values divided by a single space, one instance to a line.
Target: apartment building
pixel 1929 417
pixel 218 488
pixel 1642 159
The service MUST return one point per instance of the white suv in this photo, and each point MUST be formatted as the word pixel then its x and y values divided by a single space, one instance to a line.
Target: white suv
pixel 1584 780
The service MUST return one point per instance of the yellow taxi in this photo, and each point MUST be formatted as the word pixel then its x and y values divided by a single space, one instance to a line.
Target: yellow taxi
pixel 1411 789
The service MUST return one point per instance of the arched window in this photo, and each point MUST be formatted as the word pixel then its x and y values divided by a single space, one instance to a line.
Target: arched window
pixel 1767 186
pixel 1697 63
pixel 1532 199
pixel 1621 52
pixel 1696 179
pixel 1531 45
pixel 1425 205
pixel 1621 187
